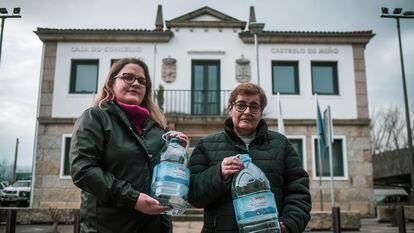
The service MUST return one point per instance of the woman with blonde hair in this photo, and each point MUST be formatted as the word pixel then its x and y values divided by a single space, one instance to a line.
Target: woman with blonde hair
pixel 115 145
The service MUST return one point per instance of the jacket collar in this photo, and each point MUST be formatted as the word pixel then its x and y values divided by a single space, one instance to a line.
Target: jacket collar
pixel 113 108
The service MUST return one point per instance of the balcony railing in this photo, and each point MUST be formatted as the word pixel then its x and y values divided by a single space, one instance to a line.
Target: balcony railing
pixel 193 102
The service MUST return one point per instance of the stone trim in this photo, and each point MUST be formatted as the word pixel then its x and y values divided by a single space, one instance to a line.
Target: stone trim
pixel 206 24
pixel 104 35
pixel 47 81
pixel 225 21
pixel 58 121
pixel 308 37
pixel 200 120
pixel 360 81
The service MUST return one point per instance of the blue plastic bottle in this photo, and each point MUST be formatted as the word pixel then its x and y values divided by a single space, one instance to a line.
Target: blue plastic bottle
pixel 171 178
pixel 254 203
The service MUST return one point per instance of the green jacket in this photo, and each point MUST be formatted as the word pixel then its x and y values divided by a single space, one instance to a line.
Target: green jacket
pixel 112 165
pixel 272 153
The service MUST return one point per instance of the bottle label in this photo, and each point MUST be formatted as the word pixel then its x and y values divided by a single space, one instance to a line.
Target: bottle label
pixel 173 172
pixel 254 205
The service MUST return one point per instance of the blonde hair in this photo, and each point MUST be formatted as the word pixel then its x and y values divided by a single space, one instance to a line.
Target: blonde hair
pixel 106 94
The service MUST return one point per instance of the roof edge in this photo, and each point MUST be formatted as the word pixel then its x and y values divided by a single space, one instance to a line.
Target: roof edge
pixel 103 35
pixel 315 37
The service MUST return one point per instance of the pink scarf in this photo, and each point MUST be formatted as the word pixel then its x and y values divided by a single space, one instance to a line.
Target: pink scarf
pixel 136 114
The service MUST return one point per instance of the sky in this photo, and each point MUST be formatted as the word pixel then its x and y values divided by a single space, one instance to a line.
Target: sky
pixel 22 50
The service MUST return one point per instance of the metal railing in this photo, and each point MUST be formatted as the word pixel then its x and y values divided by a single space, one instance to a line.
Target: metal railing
pixel 193 102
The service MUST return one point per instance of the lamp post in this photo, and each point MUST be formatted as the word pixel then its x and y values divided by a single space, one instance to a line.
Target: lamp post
pixel 4 14
pixel 256 28
pixel 397 15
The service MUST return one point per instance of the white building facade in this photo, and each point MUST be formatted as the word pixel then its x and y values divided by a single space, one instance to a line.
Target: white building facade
pixel 198 59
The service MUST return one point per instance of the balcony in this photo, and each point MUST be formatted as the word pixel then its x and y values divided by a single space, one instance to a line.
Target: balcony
pixel 193 102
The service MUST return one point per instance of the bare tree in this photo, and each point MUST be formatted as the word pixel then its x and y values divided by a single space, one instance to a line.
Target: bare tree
pixel 388 129
pixel 5 172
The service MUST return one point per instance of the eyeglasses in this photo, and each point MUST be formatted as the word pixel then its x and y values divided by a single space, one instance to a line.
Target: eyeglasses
pixel 130 79
pixel 242 106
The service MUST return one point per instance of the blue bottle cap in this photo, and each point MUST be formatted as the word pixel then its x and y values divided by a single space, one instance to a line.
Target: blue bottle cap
pixel 245 158
pixel 175 140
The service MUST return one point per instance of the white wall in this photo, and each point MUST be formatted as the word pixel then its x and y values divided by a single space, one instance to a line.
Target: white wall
pixel 212 44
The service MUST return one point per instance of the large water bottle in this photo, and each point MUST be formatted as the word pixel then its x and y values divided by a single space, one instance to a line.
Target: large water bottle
pixel 254 203
pixel 171 178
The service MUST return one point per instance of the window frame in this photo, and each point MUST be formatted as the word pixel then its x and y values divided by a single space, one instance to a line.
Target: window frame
pixel 304 158
pixel 296 76
pixel 62 157
pixel 344 157
pixel 205 63
pixel 335 76
pixel 73 77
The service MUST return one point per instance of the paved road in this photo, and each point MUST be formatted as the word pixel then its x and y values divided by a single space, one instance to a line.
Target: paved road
pixel 368 226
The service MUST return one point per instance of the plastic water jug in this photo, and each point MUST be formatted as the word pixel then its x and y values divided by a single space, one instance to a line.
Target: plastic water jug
pixel 171 178
pixel 254 203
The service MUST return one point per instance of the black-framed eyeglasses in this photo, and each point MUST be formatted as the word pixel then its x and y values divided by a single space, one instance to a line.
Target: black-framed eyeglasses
pixel 130 79
pixel 242 106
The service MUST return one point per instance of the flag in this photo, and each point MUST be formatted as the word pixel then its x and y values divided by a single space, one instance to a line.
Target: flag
pixel 280 123
pixel 328 126
pixel 321 133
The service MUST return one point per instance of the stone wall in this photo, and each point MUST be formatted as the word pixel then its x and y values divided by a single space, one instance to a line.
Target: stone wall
pixel 49 189
pixel 40 216
pixel 356 192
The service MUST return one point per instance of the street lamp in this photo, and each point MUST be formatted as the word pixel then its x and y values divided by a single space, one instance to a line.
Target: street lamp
pixel 256 28
pixel 4 14
pixel 397 15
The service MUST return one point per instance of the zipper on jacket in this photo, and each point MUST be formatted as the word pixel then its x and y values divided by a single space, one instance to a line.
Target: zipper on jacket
pixel 245 148
pixel 214 223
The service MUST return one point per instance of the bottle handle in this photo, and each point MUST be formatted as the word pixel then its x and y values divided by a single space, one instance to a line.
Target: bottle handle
pixel 166 137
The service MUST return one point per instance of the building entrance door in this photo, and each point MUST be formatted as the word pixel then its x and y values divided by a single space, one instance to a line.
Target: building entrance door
pixel 205 87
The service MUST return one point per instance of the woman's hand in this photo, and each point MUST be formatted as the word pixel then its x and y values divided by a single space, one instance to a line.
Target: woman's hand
pixel 183 138
pixel 230 166
pixel 283 228
pixel 149 205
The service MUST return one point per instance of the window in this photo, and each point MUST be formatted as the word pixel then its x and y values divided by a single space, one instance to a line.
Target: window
pixel 205 93
pixel 339 159
pixel 84 76
pixel 285 77
pixel 298 143
pixel 325 78
pixel 65 157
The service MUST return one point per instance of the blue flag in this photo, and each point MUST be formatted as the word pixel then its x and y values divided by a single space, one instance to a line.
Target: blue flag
pixel 321 133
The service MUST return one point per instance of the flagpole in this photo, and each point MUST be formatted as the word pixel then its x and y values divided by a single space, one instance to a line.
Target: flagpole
pixel 330 158
pixel 319 150
pixel 154 87
pixel 280 123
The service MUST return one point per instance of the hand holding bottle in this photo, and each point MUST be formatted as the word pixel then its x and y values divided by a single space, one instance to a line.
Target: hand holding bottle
pixel 175 134
pixel 283 228
pixel 230 165
pixel 149 205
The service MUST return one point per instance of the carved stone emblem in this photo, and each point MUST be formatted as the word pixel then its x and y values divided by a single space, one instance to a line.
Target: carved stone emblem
pixel 169 69
pixel 243 73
